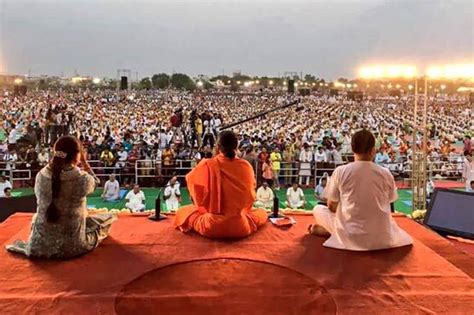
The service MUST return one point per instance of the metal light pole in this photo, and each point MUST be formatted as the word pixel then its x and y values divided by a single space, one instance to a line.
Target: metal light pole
pixel 420 157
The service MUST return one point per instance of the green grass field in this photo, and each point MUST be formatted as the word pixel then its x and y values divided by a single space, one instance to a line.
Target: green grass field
pixel 403 204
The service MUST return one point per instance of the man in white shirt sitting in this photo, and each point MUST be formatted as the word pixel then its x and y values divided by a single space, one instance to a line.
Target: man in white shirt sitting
pixel 320 156
pixel 172 194
pixel 4 183
pixel 265 197
pixel 135 199
pixel 295 197
pixel 358 196
pixel 122 158
pixel 111 189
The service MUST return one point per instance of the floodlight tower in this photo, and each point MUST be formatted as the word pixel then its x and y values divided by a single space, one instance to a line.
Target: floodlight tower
pixel 419 157
pixel 419 154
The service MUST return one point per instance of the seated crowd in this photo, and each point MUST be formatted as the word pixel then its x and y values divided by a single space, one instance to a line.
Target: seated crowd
pixel 356 213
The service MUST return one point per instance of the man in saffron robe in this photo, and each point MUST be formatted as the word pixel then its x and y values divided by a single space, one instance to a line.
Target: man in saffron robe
pixel 223 192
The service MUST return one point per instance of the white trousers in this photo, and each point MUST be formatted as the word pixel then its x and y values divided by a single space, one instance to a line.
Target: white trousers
pixel 135 207
pixel 172 205
pixel 324 217
pixel 296 205
pixel 264 204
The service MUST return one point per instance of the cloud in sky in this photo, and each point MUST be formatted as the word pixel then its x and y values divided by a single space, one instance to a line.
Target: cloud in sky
pixel 326 38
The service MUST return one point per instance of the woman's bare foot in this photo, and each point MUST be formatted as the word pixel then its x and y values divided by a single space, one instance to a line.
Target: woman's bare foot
pixel 318 230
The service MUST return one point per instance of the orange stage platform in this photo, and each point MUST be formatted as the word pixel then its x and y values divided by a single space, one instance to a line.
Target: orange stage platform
pixel 147 267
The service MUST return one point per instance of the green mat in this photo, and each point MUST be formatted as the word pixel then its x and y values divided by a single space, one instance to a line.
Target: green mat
pixel 403 204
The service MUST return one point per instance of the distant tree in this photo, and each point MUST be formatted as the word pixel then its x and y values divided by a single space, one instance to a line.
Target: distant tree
pixel 343 80
pixel 145 84
pixel 223 78
pixel 242 78
pixel 309 77
pixel 208 85
pixel 182 81
pixel 160 81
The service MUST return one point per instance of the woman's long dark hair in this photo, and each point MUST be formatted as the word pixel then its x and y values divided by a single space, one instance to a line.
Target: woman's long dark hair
pixel 228 143
pixel 65 152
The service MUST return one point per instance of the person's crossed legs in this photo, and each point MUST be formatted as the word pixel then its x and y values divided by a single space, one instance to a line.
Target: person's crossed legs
pixel 324 225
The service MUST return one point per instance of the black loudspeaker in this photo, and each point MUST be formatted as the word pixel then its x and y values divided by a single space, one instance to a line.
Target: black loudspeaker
pixel 123 83
pixel 471 97
pixel 333 92
pixel 13 205
pixel 291 86
pixel 20 90
pixel 355 95
pixel 305 92
pixel 451 212
pixel 395 93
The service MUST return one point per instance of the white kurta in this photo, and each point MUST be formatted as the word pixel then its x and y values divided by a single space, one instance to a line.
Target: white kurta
pixel 306 157
pixel 111 189
pixel 135 201
pixel 363 220
pixel 264 198
pixel 295 198
pixel 468 173
pixel 172 202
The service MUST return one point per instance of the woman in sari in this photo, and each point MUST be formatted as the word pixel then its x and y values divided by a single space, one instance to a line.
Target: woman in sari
pixel 61 227
pixel 223 192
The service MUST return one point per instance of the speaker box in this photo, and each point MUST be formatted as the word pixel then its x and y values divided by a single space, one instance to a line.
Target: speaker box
pixel 333 92
pixel 395 93
pixel 305 92
pixel 13 205
pixel 20 90
pixel 291 86
pixel 471 97
pixel 123 83
pixel 355 95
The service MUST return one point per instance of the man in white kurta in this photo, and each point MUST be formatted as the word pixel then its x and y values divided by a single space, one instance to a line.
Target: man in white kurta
pixel 265 197
pixel 295 197
pixel 359 194
pixel 172 194
pixel 111 189
pixel 135 199
pixel 468 171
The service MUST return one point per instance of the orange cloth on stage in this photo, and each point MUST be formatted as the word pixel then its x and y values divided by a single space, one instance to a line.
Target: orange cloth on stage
pixel 223 193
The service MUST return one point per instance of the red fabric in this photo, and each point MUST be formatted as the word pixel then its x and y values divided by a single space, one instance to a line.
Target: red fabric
pixel 430 277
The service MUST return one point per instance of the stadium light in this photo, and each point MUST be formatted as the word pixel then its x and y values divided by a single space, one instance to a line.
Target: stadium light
pixel 257 82
pixel 454 71
pixel 76 80
pixel 443 86
pixel 271 82
pixel 18 81
pixel 387 71
pixel 200 84
pixel 296 84
pixel 96 80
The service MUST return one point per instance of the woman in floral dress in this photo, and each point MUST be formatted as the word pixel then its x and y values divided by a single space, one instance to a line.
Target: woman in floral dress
pixel 61 227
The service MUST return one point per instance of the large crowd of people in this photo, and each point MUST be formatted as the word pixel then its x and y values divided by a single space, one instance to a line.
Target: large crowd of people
pixel 178 129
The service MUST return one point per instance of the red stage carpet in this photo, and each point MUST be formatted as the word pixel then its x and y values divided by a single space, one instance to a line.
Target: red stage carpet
pixel 149 268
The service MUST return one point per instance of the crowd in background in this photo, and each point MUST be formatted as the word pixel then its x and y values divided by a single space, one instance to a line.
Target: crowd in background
pixel 178 129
